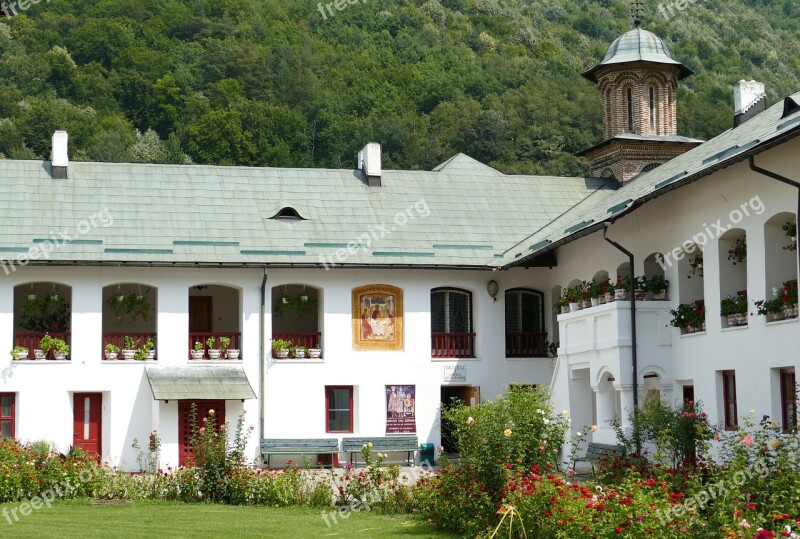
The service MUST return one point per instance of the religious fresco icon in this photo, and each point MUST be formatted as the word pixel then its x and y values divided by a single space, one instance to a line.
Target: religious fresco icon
pixel 377 318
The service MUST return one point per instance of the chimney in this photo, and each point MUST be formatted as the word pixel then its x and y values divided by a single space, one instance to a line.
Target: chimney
pixel 59 158
pixel 749 99
pixel 369 162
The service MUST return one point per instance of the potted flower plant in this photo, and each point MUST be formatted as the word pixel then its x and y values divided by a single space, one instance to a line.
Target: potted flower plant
pixel 19 353
pixel 658 286
pixel 149 348
pixel 111 351
pixel 593 292
pixel 688 317
pixel 734 310
pixel 229 353
pixel 606 290
pixel 696 266
pixel 213 353
pixel 772 308
pixel 45 345
pixel 790 229
pixel 788 295
pixel 621 288
pixel 130 345
pixel 298 352
pixel 198 352
pixel 281 348
pixel 60 349
pixel 738 252
pixel 314 353
pixel 563 303
pixel 640 287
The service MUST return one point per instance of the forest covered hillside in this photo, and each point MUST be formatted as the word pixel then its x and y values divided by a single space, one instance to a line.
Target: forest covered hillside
pixel 291 83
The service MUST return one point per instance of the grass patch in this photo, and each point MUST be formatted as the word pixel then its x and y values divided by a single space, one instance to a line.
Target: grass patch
pixel 173 520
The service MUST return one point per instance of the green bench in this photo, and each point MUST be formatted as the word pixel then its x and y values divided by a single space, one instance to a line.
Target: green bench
pixel 407 444
pixel 597 451
pixel 299 446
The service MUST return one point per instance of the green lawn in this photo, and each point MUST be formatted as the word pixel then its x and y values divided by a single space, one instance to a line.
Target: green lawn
pixel 79 519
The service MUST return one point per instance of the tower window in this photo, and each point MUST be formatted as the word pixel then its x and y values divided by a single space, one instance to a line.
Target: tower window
pixel 630 109
pixel 652 108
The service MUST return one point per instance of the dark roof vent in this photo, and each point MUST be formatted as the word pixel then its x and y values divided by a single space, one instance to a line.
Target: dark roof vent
pixel 288 213
pixel 790 106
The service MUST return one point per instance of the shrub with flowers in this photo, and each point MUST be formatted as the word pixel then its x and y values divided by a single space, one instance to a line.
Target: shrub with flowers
pixel 380 487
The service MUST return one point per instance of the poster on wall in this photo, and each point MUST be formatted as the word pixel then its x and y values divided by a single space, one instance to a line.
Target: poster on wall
pixel 377 318
pixel 400 410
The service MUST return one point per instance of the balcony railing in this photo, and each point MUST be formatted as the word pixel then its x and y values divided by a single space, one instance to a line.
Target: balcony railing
pixel 203 337
pixel 118 340
pixel 526 344
pixel 299 339
pixel 452 345
pixel 31 339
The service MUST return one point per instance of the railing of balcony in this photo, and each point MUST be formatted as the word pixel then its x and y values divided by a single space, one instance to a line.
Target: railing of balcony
pixel 118 340
pixel 204 337
pixel 526 344
pixel 452 345
pixel 31 340
pixel 298 339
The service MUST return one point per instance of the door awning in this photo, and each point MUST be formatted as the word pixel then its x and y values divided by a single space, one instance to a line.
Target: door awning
pixel 179 383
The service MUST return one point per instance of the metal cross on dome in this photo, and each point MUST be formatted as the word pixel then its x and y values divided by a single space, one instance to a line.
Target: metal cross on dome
pixel 637 12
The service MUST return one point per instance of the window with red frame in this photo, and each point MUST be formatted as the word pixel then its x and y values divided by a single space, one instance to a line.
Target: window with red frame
pixel 788 400
pixel 7 409
pixel 338 408
pixel 729 396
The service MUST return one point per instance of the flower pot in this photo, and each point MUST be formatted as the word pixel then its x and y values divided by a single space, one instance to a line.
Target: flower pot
pixel 282 354
pixel 639 294
pixel 151 354
pixel 620 294
pixel 314 353
pixel 595 302
pixel 573 307
pixel 197 354
pixel 38 354
pixel 690 329
pixel 778 315
pixel 660 296
pixel 19 356
pixel 731 320
pixel 213 353
pixel 59 355
pixel 299 354
pixel 703 326
pixel 788 312
pixel 564 309
pixel 601 300
pixel 587 304
pixel 111 355
pixel 609 297
pixel 128 354
pixel 741 319
pixel 794 311
pixel 232 354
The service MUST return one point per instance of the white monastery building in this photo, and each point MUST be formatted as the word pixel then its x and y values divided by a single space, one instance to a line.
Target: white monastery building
pixel 394 292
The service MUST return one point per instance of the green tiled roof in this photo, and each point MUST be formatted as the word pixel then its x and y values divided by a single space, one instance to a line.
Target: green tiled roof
pixel 459 214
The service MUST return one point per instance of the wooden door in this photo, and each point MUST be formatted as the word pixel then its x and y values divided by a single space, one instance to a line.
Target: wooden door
pixel 473 395
pixel 185 424
pixel 199 314
pixel 87 411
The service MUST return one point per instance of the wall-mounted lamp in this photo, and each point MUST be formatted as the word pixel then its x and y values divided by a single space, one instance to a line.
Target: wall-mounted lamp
pixel 492 287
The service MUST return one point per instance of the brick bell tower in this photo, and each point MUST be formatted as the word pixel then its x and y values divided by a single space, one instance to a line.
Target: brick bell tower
pixel 638 80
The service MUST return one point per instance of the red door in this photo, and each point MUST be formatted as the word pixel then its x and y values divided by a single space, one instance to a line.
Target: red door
pixel 87 411
pixel 185 424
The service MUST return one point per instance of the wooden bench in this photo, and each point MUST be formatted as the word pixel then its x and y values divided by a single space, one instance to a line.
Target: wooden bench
pixel 409 444
pixel 597 451
pixel 299 446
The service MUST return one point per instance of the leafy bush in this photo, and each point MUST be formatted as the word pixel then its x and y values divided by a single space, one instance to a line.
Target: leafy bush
pixel 518 429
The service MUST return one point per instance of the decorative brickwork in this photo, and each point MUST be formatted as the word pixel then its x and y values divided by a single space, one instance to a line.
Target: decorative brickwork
pixel 626 159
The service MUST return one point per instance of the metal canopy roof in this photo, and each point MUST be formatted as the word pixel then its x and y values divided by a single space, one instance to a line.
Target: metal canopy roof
pixel 201 382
